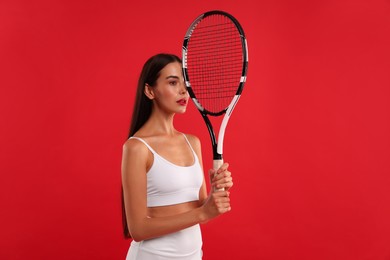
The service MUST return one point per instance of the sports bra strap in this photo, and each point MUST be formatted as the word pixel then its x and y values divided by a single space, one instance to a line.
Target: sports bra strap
pixel 189 144
pixel 145 143
pixel 153 151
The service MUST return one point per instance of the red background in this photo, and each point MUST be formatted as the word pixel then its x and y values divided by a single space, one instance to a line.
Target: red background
pixel 308 142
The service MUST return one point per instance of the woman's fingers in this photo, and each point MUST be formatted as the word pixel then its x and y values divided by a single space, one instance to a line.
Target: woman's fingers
pixel 223 167
pixel 217 203
pixel 222 201
pixel 221 178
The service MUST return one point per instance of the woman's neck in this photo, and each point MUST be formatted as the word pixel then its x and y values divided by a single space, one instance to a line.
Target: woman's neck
pixel 160 124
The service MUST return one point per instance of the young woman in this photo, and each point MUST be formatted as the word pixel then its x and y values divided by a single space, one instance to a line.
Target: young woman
pixel 164 191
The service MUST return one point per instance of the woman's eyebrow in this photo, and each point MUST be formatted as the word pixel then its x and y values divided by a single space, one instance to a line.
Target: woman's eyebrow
pixel 172 76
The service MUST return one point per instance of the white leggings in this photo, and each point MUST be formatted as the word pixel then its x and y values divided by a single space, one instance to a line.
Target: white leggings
pixel 185 244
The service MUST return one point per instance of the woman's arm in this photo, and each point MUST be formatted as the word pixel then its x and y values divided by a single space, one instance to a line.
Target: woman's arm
pixel 135 162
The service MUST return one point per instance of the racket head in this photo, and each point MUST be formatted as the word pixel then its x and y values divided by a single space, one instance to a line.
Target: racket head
pixel 215 62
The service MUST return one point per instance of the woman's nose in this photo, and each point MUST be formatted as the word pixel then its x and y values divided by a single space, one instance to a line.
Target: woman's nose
pixel 183 88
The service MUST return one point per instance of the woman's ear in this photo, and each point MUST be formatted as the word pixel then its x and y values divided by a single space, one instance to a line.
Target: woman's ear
pixel 148 90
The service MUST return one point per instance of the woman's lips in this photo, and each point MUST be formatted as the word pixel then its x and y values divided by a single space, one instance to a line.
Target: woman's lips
pixel 182 102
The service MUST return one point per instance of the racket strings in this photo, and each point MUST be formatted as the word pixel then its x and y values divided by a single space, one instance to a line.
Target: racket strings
pixel 215 62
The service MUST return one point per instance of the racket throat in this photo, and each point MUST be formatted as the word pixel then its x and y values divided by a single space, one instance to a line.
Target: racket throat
pixel 216 154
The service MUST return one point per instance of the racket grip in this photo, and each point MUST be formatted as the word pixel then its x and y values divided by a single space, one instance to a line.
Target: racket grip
pixel 216 165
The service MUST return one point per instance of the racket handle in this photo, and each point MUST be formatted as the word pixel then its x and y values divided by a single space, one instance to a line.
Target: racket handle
pixel 216 165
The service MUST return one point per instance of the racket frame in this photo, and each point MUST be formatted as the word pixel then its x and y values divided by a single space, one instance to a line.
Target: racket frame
pixel 217 144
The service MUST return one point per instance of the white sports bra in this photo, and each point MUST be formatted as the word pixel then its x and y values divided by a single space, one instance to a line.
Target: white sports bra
pixel 168 183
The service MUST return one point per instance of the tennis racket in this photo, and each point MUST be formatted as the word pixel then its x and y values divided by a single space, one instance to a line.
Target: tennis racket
pixel 215 63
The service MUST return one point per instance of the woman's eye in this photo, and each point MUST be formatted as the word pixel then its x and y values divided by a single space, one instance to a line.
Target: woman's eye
pixel 172 83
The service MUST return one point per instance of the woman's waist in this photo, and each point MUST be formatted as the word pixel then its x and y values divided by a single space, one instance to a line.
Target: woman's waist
pixel 171 210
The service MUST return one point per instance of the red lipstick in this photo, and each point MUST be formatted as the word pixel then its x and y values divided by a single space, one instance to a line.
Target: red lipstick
pixel 182 102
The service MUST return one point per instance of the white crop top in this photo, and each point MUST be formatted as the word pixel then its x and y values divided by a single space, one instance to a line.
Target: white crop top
pixel 168 183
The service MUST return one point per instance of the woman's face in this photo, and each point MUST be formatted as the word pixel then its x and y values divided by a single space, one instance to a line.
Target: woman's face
pixel 170 93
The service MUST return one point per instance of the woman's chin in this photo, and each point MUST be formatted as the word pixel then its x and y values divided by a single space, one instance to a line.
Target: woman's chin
pixel 181 111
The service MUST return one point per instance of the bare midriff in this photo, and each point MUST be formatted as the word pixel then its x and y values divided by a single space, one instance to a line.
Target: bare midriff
pixel 165 211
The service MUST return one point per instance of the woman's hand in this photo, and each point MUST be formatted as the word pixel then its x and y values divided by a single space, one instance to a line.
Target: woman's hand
pixel 222 178
pixel 217 203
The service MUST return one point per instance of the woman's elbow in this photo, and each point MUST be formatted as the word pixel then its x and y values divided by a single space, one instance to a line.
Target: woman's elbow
pixel 137 238
pixel 137 235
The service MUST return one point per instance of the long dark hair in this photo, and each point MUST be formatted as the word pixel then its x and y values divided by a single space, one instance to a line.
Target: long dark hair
pixel 143 105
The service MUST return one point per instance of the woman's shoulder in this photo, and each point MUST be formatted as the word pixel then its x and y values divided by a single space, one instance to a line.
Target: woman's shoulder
pixel 134 145
pixel 194 140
